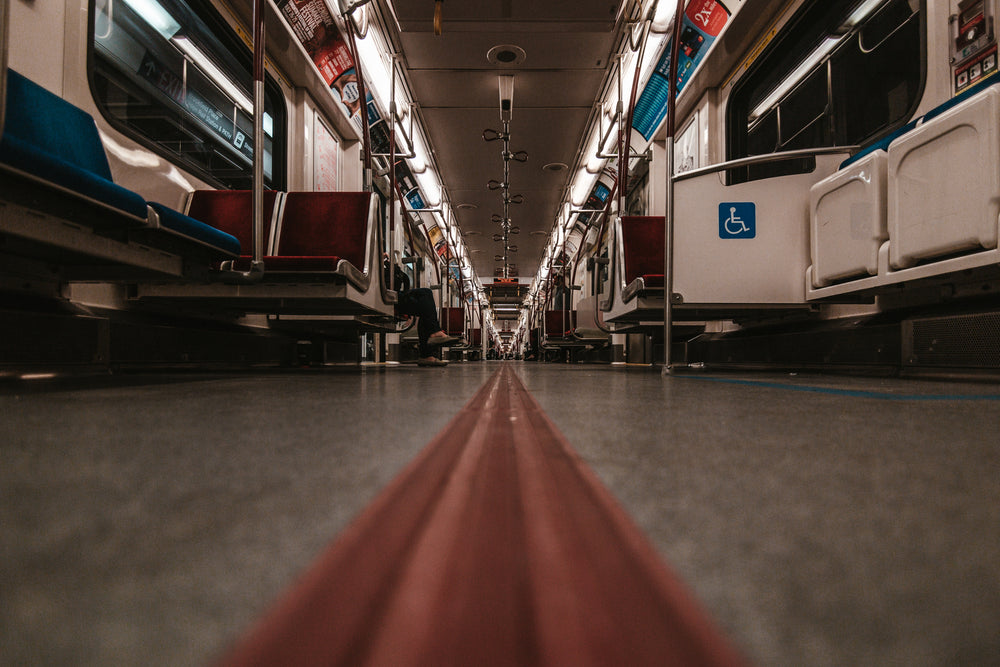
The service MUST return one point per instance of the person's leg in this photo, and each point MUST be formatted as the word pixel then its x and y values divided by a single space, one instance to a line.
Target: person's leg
pixel 427 324
pixel 420 302
pixel 426 308
pixel 409 303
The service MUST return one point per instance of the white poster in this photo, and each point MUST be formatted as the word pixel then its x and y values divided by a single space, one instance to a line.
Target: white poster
pixel 687 148
pixel 326 158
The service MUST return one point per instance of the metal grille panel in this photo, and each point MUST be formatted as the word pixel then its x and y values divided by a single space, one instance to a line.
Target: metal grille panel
pixel 960 341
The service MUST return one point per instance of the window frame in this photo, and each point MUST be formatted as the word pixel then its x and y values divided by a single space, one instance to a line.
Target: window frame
pixel 804 32
pixel 238 51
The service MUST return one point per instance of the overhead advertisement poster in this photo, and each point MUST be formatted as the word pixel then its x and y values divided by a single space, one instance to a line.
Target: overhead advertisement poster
pixel 438 241
pixel 316 29
pixel 314 26
pixel 703 21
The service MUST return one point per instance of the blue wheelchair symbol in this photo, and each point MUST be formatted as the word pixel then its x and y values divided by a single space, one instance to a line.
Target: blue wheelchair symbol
pixel 737 220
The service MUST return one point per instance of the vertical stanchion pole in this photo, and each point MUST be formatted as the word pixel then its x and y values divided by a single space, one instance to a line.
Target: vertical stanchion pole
pixel 4 35
pixel 392 179
pixel 668 232
pixel 482 331
pixel 258 132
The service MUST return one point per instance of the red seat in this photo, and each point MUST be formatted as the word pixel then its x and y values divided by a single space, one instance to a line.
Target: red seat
pixel 320 229
pixel 316 230
pixel 559 323
pixel 642 250
pixel 231 211
pixel 453 321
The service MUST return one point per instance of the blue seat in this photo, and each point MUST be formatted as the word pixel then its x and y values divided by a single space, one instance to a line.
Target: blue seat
pixel 46 136
pixel 50 139
pixel 196 230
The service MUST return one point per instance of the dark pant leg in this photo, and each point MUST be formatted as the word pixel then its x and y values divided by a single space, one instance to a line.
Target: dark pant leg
pixel 420 303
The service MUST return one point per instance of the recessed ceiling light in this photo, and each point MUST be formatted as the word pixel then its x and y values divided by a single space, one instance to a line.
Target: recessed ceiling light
pixel 466 207
pixel 555 166
pixel 506 55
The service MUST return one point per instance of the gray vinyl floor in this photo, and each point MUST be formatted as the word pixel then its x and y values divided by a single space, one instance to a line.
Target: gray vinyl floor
pixel 149 520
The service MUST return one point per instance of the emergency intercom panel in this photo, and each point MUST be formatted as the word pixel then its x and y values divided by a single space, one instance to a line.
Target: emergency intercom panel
pixel 974 44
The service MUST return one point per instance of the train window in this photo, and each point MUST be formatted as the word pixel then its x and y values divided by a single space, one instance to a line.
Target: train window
pixel 175 77
pixel 843 74
pixel 762 137
pixel 801 114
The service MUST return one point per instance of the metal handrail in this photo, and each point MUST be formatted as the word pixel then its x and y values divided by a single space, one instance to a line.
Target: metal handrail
pixel 764 159
pixel 4 20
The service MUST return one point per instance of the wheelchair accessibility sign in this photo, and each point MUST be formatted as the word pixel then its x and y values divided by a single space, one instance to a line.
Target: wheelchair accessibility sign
pixel 737 220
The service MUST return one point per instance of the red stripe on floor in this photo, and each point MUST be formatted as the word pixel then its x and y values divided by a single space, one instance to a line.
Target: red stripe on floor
pixel 496 546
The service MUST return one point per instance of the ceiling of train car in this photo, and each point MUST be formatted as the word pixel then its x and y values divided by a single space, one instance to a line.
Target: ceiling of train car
pixel 566 46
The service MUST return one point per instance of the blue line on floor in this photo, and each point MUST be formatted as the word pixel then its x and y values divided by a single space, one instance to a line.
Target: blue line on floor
pixel 854 393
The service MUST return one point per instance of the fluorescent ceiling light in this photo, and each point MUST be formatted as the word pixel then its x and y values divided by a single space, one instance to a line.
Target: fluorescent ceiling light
pixel 582 186
pixel 651 56
pixel 401 141
pixel 214 73
pixel 377 75
pixel 664 13
pixel 156 16
pixel 430 186
pixel 418 163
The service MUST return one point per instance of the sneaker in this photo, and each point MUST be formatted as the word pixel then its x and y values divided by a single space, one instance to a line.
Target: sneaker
pixel 431 361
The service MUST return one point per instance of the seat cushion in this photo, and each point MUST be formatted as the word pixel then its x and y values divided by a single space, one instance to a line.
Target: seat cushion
pixel 52 125
pixel 28 158
pixel 232 212
pixel 643 240
pixel 196 230
pixel 326 224
pixel 302 264
pixel 291 264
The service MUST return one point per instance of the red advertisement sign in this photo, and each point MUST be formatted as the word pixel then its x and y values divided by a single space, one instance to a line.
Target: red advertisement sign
pixel 314 26
pixel 708 16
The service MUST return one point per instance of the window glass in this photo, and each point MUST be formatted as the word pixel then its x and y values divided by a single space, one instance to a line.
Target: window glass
pixel 172 74
pixel 802 113
pixel 841 74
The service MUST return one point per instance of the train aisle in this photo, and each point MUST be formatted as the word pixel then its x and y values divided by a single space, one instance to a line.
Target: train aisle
pixel 818 520
pixel 822 520
pixel 148 520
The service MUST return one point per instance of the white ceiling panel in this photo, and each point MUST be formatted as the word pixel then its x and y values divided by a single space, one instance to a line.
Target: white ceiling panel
pixel 566 46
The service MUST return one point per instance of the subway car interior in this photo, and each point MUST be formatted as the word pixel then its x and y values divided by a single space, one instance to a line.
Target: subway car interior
pixel 499 332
